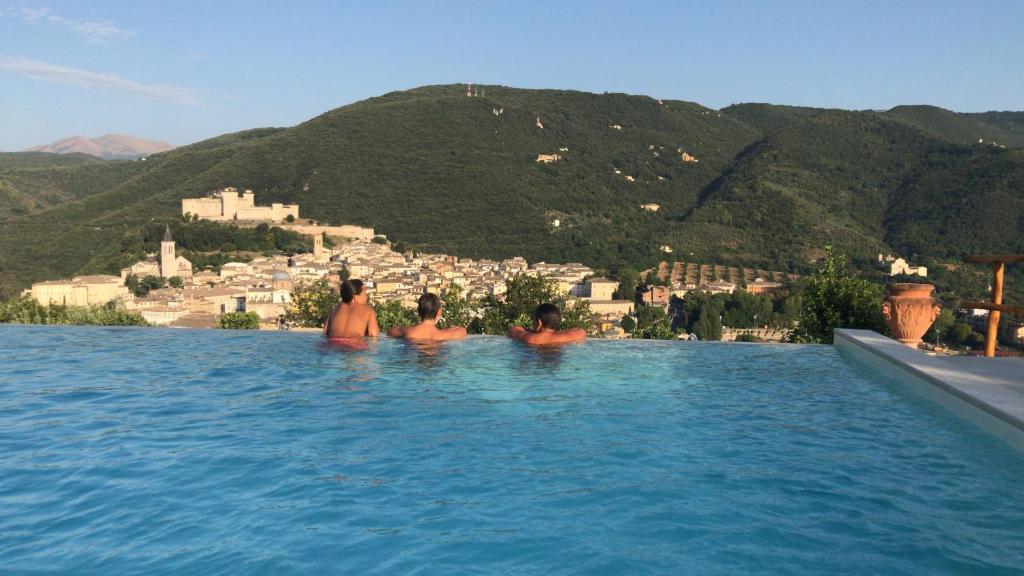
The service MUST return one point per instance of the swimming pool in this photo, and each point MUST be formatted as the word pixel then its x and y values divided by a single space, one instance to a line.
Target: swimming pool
pixel 176 451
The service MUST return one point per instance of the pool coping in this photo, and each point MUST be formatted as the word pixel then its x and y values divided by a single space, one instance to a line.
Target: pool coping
pixel 992 398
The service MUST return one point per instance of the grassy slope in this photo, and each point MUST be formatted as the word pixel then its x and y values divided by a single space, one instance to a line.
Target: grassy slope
pixel 34 181
pixel 443 172
pixel 1006 128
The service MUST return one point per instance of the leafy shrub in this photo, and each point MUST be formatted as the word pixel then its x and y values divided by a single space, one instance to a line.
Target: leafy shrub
pixel 392 313
pixel 239 321
pixel 312 304
pixel 26 310
pixel 834 299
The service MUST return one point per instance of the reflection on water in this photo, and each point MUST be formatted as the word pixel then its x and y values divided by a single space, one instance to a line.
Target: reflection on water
pixel 547 358
pixel 427 354
pixel 356 356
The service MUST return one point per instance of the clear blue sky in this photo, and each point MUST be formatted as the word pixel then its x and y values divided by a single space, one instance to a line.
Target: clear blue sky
pixel 185 71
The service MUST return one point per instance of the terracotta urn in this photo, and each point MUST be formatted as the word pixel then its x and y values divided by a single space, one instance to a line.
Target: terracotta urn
pixel 909 310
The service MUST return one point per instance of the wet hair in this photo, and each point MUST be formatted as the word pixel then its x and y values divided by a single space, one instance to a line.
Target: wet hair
pixel 548 315
pixel 428 306
pixel 350 289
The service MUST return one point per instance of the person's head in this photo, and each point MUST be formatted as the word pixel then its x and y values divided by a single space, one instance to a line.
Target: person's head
pixel 352 290
pixel 428 307
pixel 547 316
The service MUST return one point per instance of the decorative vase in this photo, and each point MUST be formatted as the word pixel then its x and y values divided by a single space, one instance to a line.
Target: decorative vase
pixel 909 310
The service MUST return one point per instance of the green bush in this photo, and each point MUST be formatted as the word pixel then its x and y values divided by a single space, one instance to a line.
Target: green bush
pixel 312 304
pixel 239 321
pixel 834 299
pixel 25 310
pixel 392 313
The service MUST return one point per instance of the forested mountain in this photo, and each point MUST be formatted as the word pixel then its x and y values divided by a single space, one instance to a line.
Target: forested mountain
pixel 751 184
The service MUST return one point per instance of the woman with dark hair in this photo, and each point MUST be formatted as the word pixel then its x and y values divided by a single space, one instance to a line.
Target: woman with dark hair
pixel 352 317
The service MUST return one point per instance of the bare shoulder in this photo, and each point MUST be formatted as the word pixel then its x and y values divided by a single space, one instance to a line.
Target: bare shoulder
pixel 572 335
pixel 454 333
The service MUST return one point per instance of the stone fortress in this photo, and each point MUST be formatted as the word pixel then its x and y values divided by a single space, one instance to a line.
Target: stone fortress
pixel 227 204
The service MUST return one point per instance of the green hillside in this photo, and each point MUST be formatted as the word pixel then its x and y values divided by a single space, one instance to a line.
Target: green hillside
pixel 441 171
pixel 34 181
pixel 992 128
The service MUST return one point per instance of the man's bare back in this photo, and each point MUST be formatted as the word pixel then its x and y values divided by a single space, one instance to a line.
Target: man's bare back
pixel 429 310
pixel 547 336
pixel 546 320
pixel 352 317
pixel 427 331
pixel 352 320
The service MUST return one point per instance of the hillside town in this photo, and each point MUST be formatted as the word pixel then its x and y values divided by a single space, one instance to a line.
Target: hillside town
pixel 264 285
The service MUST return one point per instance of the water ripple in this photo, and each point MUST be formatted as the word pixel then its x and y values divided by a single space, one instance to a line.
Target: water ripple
pixel 168 452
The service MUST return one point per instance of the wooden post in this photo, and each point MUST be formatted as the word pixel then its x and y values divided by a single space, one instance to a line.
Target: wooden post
pixel 993 315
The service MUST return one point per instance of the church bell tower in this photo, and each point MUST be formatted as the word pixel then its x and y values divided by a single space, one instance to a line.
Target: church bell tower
pixel 168 266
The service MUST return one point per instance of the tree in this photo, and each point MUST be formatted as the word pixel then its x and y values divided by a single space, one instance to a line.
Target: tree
pixel 627 323
pixel 23 310
pixel 942 323
pixel 176 282
pixel 132 282
pixel 239 321
pixel 974 341
pixel 577 315
pixel 652 324
pixel 152 283
pixel 791 307
pixel 628 280
pixel 834 299
pixel 312 304
pixel 459 310
pixel 708 325
pixel 26 310
pixel 958 333
pixel 392 313
pixel 522 296
pixel 289 218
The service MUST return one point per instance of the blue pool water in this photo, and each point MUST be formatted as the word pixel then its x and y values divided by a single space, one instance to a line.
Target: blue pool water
pixel 210 452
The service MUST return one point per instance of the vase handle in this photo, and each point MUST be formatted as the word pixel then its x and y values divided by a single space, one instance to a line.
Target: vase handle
pixel 887 309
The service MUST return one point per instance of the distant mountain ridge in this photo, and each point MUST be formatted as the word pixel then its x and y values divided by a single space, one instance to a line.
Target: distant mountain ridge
pixel 756 185
pixel 108 146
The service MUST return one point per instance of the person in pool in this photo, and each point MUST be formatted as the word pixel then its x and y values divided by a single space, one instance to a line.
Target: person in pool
pixel 352 318
pixel 429 309
pixel 546 319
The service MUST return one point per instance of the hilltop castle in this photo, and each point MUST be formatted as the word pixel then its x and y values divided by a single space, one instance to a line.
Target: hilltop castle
pixel 226 204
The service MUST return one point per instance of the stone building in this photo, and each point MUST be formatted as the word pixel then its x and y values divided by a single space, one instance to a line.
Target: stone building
pixel 81 290
pixel 762 286
pixel 227 204
pixel 168 265
pixel 601 288
pixel 900 266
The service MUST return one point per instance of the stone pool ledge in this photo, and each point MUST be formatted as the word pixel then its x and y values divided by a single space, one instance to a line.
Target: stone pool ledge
pixel 988 391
